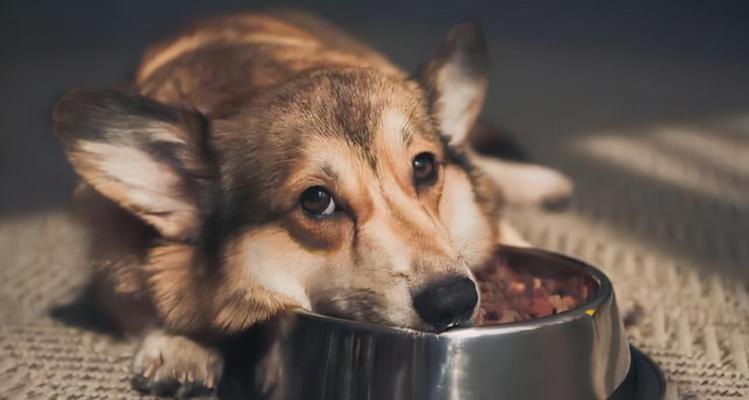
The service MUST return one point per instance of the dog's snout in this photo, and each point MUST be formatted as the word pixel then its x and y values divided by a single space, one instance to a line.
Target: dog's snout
pixel 447 303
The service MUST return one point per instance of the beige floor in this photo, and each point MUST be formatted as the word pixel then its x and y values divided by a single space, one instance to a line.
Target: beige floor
pixel 665 212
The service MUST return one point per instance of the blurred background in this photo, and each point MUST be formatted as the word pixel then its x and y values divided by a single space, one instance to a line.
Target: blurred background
pixel 644 104
pixel 559 68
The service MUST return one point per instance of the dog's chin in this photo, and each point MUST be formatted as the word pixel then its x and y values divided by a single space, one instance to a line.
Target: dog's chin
pixel 386 320
pixel 370 312
pixel 395 319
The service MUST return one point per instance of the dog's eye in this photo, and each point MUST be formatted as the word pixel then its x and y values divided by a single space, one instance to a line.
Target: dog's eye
pixel 317 201
pixel 425 169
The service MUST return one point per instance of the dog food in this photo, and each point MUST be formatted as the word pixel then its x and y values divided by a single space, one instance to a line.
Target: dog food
pixel 511 294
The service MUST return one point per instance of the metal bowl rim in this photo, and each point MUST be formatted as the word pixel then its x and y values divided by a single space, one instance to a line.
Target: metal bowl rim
pixel 586 310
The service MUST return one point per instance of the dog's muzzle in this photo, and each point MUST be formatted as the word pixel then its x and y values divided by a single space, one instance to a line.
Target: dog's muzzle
pixel 447 303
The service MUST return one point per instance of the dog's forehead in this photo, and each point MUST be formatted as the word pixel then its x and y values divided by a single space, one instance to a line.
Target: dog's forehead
pixel 361 109
pixel 355 106
pixel 366 111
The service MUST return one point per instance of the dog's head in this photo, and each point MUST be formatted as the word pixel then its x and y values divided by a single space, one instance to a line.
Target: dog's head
pixel 343 191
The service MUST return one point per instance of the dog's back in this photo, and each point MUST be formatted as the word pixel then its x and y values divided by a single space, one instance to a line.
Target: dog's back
pixel 217 60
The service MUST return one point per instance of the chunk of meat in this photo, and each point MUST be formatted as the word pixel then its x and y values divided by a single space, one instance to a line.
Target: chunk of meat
pixel 511 294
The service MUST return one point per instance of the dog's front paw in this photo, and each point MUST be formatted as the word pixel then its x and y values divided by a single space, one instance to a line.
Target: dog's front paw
pixel 170 365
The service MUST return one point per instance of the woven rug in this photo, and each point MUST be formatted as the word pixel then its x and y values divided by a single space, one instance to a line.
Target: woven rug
pixel 664 211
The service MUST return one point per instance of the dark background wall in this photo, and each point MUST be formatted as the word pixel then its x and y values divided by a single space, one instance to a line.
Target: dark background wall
pixel 560 68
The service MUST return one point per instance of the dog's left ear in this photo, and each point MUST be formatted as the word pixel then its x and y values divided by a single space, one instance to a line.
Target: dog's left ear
pixel 455 80
pixel 148 157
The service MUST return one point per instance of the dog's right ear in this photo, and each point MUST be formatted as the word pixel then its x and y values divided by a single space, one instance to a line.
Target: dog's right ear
pixel 150 158
pixel 455 81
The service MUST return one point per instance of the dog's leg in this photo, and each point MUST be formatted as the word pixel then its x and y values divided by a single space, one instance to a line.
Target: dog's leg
pixel 526 184
pixel 173 365
pixel 509 235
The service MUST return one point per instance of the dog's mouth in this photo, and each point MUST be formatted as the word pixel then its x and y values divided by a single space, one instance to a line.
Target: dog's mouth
pixel 443 305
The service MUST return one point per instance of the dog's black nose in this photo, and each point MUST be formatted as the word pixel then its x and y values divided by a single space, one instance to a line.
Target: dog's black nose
pixel 447 303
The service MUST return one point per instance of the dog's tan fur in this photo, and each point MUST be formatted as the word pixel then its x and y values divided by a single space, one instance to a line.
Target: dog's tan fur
pixel 192 184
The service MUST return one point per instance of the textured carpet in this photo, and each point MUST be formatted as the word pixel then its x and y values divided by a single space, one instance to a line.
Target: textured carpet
pixel 664 210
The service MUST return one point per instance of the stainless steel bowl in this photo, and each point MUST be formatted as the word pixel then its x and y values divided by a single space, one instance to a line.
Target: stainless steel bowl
pixel 576 355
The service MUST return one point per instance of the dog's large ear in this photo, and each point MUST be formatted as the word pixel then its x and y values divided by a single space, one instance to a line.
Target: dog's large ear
pixel 455 80
pixel 149 158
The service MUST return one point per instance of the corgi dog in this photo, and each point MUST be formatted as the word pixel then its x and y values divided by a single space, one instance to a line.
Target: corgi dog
pixel 264 162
